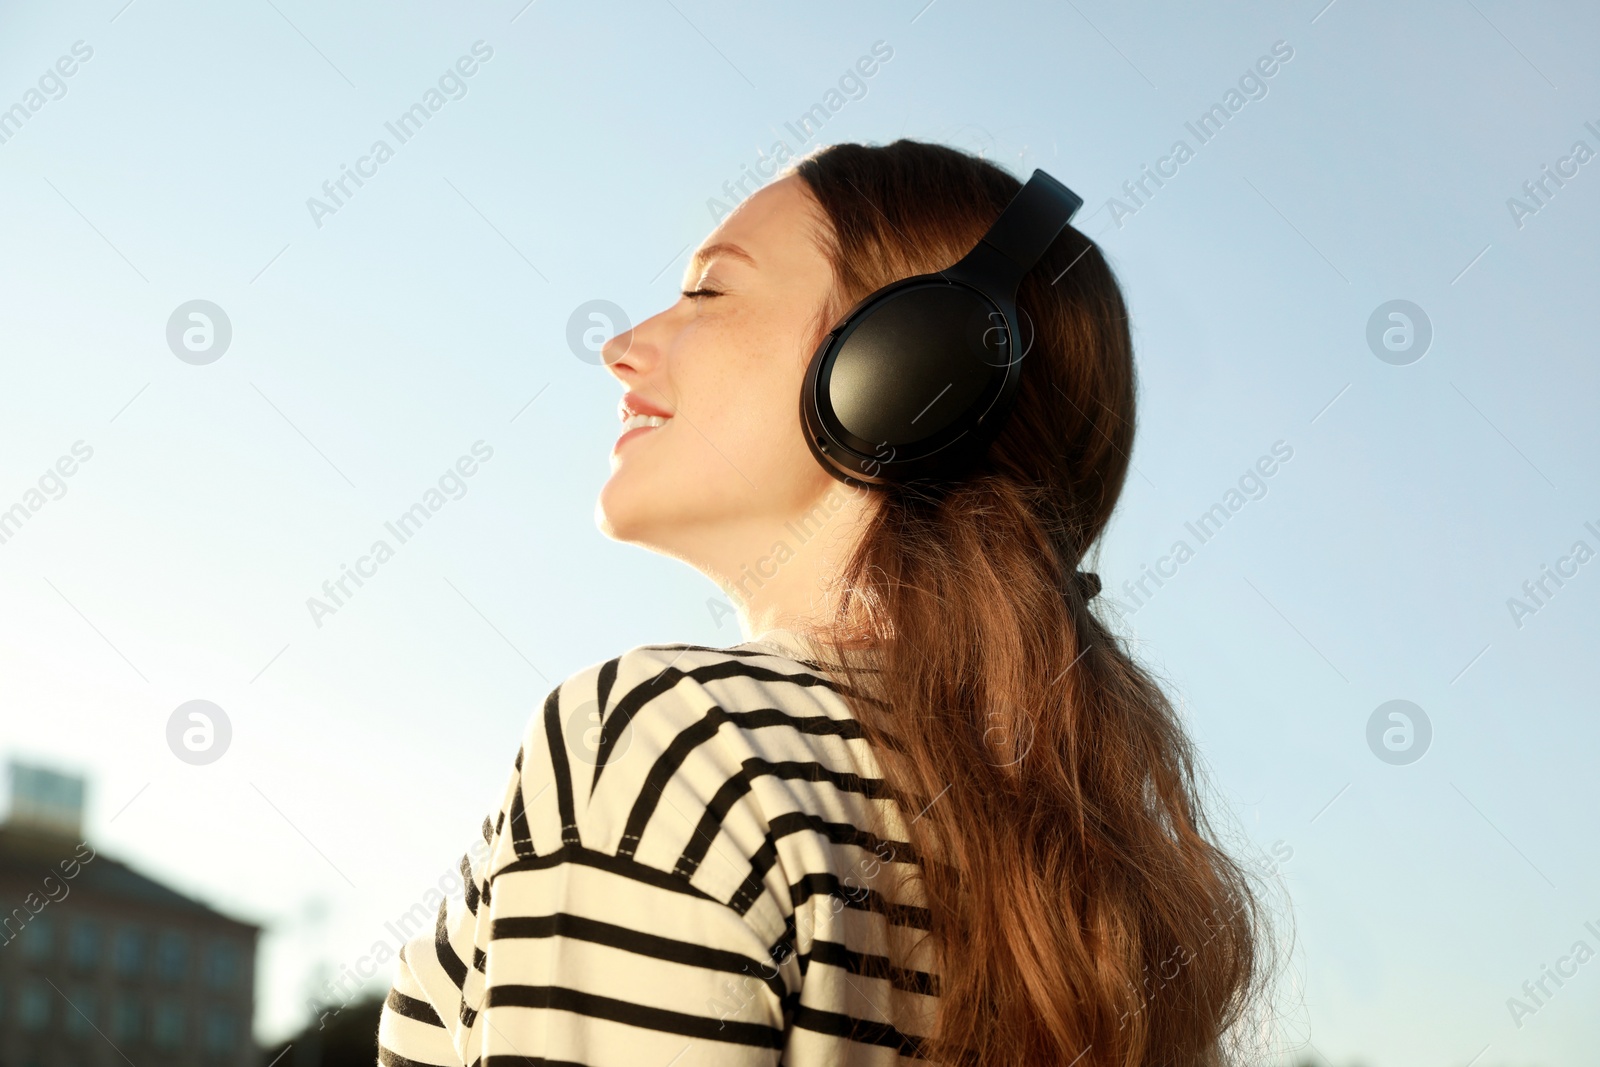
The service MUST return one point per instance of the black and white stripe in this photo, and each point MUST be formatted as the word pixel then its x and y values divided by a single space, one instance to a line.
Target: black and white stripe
pixel 701 874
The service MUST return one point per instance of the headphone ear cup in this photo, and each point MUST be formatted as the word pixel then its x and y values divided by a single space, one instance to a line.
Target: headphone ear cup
pixel 916 380
pixel 901 387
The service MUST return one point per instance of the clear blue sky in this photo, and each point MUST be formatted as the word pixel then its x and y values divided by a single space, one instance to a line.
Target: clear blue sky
pixel 374 344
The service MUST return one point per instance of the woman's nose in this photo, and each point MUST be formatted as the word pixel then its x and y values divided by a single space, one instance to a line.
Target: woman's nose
pixel 617 347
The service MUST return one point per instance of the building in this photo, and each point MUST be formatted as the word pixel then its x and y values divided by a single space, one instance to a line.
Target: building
pixel 100 965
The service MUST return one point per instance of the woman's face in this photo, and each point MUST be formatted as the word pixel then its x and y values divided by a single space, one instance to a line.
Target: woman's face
pixel 718 482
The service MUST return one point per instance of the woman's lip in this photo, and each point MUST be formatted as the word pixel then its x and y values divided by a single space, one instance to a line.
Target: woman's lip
pixel 631 434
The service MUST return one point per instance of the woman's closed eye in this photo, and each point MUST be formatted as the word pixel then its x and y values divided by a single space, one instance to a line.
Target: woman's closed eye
pixel 694 294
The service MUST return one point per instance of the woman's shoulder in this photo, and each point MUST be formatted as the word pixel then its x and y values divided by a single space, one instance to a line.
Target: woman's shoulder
pixel 694 760
pixel 697 825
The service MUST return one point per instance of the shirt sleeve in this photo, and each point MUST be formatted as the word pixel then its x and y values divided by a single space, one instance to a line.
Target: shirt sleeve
pixel 427 1014
pixel 565 946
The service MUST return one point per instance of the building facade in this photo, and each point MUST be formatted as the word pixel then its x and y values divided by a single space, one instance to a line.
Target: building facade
pixel 101 965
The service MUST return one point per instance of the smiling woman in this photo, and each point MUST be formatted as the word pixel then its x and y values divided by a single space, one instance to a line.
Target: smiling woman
pixel 931 809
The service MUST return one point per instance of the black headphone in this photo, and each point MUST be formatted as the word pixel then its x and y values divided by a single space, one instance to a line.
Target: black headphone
pixel 917 379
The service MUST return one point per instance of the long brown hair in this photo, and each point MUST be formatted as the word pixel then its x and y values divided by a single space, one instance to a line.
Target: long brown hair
pixel 1081 908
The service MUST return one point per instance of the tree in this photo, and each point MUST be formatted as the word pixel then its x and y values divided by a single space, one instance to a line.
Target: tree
pixel 347 1037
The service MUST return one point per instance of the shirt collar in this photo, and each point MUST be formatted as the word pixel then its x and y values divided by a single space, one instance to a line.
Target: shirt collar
pixel 803 646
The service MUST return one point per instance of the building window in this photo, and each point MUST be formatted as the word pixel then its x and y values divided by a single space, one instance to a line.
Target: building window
pixel 128 951
pixel 80 1013
pixel 166 1028
pixel 33 1006
pixel 222 1030
pixel 38 938
pixel 223 965
pixel 83 944
pixel 125 1019
pixel 172 956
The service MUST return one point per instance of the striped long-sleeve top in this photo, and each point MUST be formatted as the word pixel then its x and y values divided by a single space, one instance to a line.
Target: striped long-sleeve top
pixel 682 871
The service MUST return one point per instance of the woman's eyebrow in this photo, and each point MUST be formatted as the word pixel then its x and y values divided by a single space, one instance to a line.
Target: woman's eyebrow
pixel 721 248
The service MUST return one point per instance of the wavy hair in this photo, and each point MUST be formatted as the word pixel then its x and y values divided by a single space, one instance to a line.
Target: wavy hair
pixel 1082 911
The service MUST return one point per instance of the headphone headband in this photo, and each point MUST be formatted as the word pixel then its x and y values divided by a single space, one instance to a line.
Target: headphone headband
pixel 916 380
pixel 1026 228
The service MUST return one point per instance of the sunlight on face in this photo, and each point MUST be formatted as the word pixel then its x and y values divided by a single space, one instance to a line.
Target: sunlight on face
pixel 731 466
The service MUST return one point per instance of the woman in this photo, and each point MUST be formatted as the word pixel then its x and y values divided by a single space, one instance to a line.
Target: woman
pixel 933 809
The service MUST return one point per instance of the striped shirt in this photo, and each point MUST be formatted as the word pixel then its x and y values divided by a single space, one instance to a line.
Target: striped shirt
pixel 681 871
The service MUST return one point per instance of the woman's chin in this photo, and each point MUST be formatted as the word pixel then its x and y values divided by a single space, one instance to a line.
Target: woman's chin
pixel 607 518
pixel 620 510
